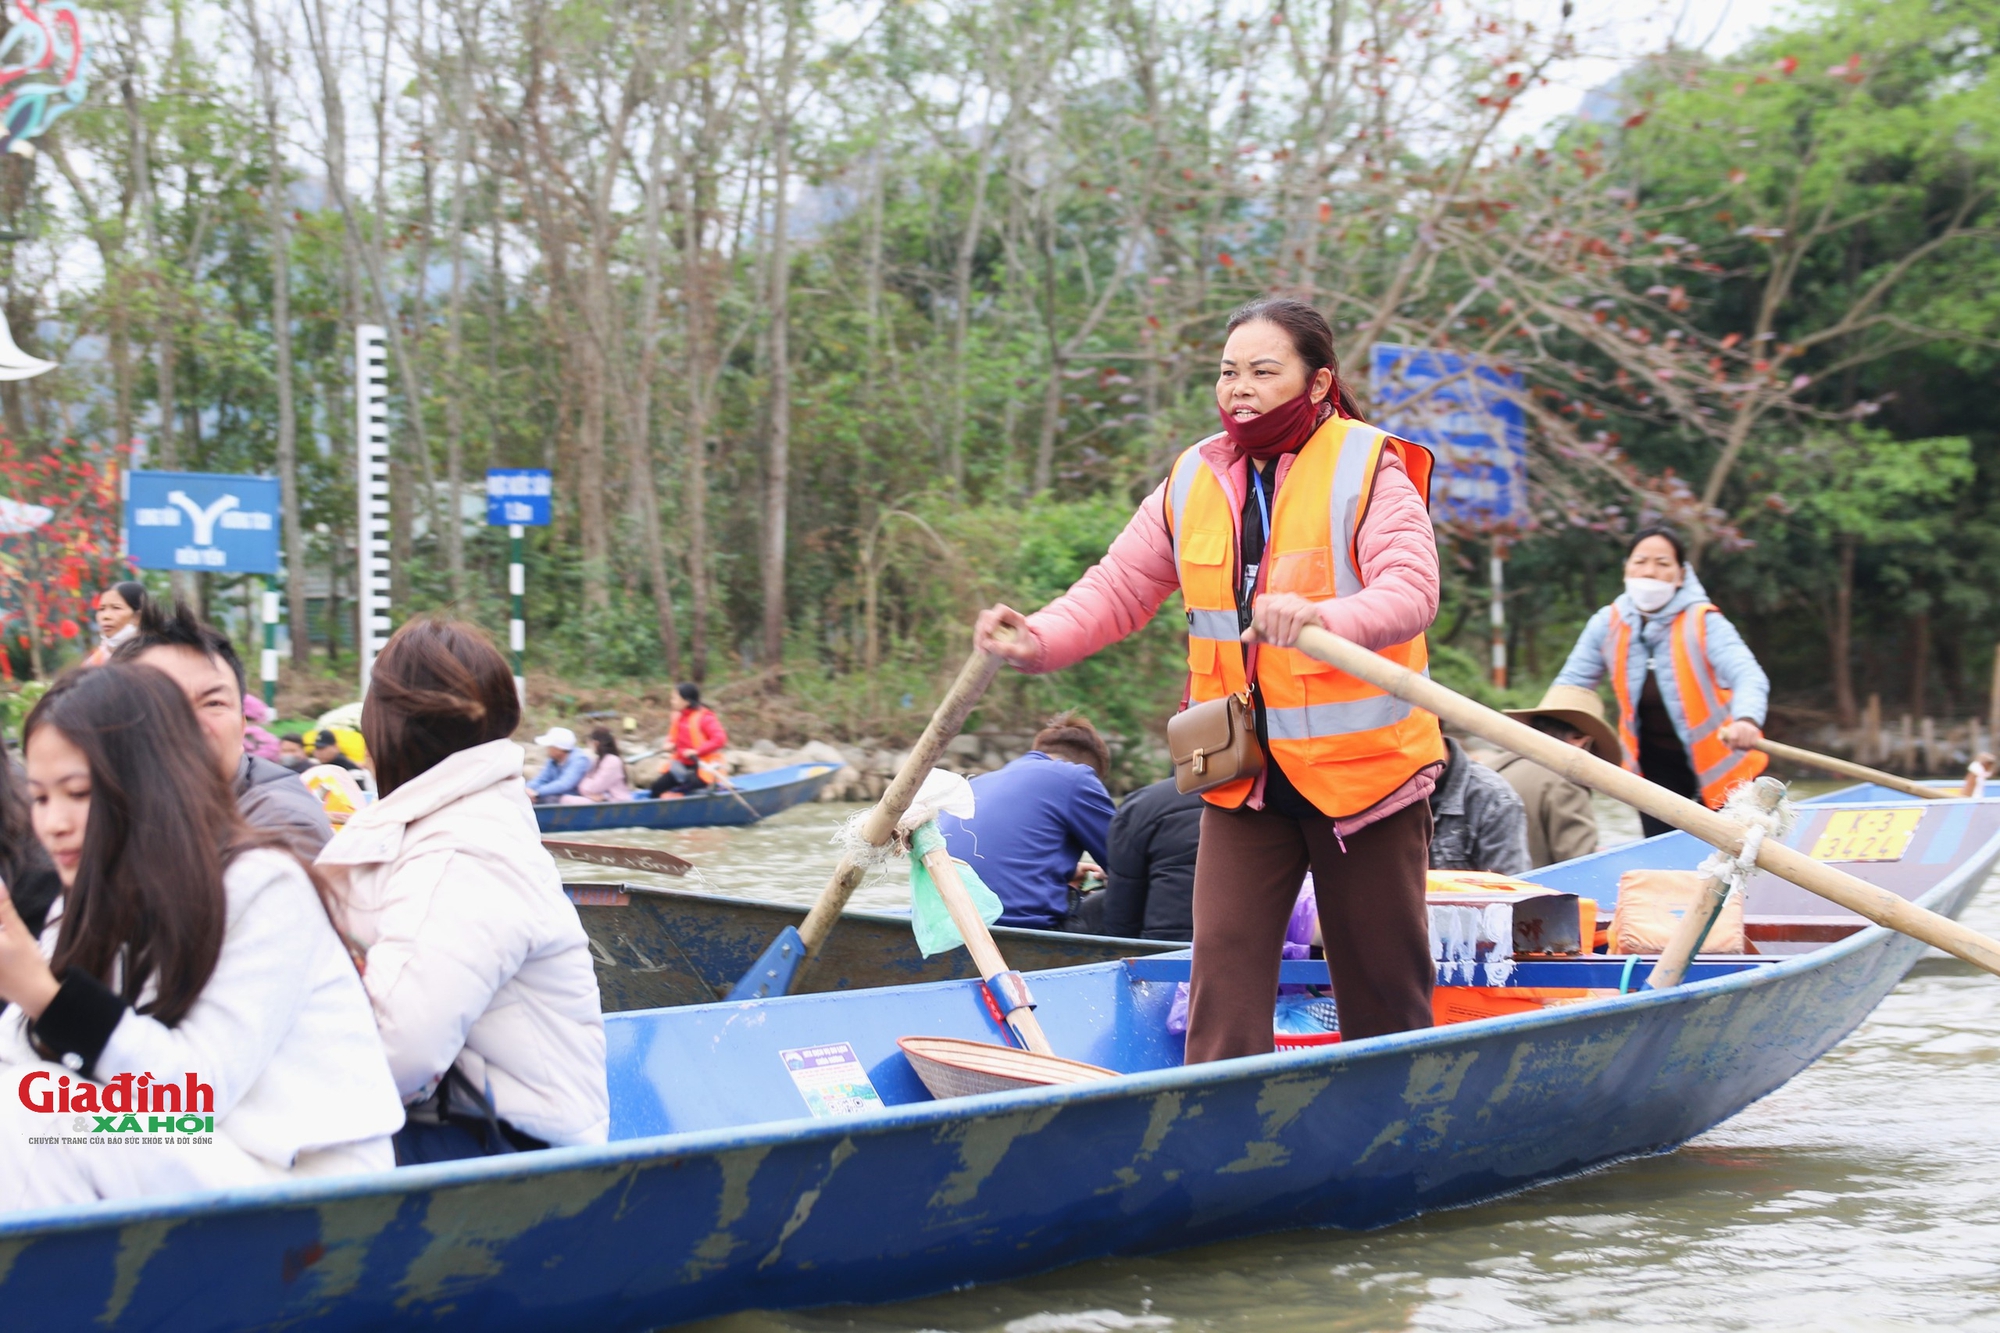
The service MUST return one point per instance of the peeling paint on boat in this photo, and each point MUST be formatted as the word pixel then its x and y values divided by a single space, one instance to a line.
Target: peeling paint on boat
pixel 466 1229
pixel 981 1144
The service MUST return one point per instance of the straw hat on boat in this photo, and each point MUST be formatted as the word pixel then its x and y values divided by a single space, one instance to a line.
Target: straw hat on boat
pixel 1581 709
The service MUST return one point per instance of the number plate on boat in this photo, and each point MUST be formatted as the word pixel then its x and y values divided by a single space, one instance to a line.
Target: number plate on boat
pixel 1867 835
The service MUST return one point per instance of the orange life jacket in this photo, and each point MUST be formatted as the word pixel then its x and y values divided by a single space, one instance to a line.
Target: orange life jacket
pixel 1344 743
pixel 1704 704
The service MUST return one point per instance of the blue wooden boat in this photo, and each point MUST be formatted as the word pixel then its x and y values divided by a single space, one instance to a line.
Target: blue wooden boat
pixel 746 800
pixel 655 947
pixel 720 1192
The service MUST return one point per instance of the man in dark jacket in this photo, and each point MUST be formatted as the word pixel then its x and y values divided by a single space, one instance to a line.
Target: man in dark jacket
pixel 1478 821
pixel 1150 893
pixel 201 660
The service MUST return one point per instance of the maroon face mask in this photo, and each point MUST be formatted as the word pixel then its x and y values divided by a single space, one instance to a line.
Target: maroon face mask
pixel 1278 431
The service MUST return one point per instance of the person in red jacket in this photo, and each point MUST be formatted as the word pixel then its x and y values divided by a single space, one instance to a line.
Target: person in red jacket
pixel 694 738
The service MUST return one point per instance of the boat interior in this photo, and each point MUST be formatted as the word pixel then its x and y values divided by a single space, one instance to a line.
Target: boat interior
pixel 837 1053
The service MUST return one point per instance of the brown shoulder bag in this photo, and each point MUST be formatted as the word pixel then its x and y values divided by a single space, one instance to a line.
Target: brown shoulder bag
pixel 1213 743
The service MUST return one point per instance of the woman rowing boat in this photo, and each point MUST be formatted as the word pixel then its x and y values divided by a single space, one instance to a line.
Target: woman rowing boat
pixel 1691 696
pixel 1303 514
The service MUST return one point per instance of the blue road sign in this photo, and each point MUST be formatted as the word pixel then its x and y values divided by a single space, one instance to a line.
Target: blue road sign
pixel 518 495
pixel 1470 416
pixel 202 521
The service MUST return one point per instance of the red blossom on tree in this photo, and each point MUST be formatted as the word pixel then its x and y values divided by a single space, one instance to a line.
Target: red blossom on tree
pixel 72 555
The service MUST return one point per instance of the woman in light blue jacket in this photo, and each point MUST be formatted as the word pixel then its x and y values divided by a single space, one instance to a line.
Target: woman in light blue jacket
pixel 1691 697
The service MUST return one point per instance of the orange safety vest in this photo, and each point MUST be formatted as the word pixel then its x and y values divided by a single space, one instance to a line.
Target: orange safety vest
pixel 1704 704
pixel 1344 743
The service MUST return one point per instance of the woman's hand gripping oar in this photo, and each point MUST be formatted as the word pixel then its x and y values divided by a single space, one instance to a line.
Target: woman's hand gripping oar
pixel 1848 769
pixel 1856 895
pixel 777 970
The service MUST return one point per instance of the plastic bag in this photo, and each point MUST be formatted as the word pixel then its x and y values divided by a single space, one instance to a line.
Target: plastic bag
pixel 1651 904
pixel 929 920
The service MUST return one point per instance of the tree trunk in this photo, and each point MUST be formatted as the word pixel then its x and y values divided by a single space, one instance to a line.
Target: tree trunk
pixel 639 426
pixel 961 315
pixel 1920 660
pixel 279 215
pixel 454 403
pixel 777 468
pixel 1840 637
pixel 1045 442
pixel 701 326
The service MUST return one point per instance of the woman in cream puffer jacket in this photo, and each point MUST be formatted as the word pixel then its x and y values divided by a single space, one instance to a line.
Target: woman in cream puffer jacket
pixel 474 955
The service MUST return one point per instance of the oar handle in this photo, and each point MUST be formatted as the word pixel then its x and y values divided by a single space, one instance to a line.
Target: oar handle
pixel 979 943
pixel 1849 769
pixel 880 823
pixel 1856 895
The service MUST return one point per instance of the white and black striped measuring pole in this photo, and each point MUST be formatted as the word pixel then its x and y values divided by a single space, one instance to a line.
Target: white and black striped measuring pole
pixel 371 436
pixel 517 498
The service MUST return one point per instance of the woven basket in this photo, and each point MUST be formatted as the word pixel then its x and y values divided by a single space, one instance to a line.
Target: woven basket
pixel 953 1067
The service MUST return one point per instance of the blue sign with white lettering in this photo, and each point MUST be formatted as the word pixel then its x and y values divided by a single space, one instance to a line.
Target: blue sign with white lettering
pixel 1469 414
pixel 202 521
pixel 518 495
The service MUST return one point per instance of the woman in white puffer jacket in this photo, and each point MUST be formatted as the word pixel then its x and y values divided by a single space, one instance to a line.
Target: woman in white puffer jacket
pixel 479 970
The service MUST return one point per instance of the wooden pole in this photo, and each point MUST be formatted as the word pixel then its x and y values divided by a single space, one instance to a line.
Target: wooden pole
pixel 979 943
pixel 1837 886
pixel 880 823
pixel 1849 769
pixel 1700 918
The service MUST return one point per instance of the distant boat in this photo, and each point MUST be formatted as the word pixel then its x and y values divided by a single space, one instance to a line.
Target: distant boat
pixel 721 1191
pixel 746 799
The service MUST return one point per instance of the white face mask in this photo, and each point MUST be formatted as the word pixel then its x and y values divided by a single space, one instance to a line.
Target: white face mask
pixel 1649 595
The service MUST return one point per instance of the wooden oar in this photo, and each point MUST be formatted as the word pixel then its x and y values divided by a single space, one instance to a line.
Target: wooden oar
pixel 1002 982
pixel 1849 769
pixel 625 858
pixel 1706 910
pixel 777 970
pixel 1837 886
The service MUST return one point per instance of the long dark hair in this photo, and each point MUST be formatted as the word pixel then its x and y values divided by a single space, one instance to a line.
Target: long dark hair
pixel 148 901
pixel 438 687
pixel 604 742
pixel 20 854
pixel 1312 339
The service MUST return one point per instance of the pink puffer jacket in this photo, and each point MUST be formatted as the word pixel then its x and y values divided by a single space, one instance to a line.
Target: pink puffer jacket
pixel 1120 593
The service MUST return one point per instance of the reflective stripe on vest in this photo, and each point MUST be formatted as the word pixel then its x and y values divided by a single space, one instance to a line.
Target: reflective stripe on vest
pixel 1718 769
pixel 1344 743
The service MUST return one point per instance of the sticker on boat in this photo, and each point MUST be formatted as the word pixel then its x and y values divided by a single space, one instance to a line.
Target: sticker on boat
pixel 831 1080
pixel 1867 835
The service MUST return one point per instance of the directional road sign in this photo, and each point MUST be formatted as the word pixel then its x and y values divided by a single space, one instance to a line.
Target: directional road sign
pixel 202 521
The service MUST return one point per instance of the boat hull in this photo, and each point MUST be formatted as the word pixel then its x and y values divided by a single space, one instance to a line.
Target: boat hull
pixel 926 1196
pixel 752 797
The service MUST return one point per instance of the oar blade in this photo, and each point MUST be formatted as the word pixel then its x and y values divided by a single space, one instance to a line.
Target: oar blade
pixel 624 858
pixel 772 973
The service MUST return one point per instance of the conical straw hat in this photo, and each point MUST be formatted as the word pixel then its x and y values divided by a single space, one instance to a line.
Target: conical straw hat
pixel 16 364
pixel 1583 710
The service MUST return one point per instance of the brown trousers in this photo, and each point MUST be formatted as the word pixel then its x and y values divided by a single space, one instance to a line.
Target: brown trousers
pixel 1371 912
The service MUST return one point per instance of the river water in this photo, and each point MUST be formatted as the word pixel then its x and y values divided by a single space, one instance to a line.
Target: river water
pixel 1855 1198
